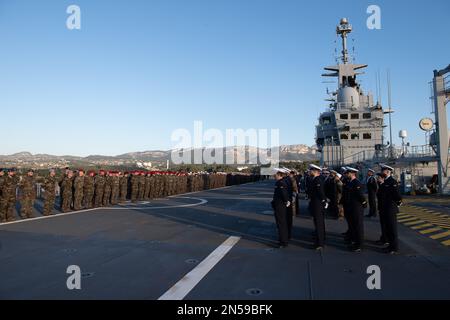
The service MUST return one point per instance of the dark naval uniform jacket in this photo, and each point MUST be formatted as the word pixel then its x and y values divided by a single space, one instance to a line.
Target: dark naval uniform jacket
pixel 389 197
pixel 280 194
pixel 353 198
pixel 316 195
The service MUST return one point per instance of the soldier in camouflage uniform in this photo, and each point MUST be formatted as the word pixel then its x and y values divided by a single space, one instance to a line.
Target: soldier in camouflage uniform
pixel 2 179
pixel 141 185
pixel 147 186
pixel 49 185
pixel 134 186
pixel 123 186
pixel 66 186
pixel 8 185
pixel 88 190
pixel 99 184
pixel 156 183
pixel 108 188
pixel 164 184
pixel 115 187
pixel 8 200
pixel 78 186
pixel 27 187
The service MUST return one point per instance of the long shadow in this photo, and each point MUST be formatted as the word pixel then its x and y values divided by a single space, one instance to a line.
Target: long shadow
pixel 213 218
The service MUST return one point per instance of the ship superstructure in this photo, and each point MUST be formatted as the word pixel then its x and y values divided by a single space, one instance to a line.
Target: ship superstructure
pixel 354 123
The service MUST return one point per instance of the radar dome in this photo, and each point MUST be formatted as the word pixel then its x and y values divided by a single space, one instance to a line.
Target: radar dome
pixel 348 97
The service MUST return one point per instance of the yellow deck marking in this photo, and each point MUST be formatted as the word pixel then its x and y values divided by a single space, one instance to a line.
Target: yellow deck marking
pixel 413 222
pixel 422 226
pixel 430 230
pixel 440 235
pixel 407 219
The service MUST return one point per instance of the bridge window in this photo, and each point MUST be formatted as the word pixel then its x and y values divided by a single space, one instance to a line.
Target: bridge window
pixel 344 136
pixel 355 136
pixel 343 116
pixel 326 120
pixel 367 115
pixel 367 136
pixel 355 116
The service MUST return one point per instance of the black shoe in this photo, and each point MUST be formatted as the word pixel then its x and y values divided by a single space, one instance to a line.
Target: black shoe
pixel 356 249
pixel 381 243
pixel 318 248
pixel 282 246
pixel 390 251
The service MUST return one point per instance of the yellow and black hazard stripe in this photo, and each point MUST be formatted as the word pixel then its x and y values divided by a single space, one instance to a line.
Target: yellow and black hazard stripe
pixel 433 224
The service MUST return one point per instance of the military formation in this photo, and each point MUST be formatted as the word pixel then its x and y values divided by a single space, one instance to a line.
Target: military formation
pixel 338 196
pixel 79 190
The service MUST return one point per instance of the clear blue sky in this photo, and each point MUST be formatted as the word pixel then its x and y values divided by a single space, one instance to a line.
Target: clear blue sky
pixel 137 70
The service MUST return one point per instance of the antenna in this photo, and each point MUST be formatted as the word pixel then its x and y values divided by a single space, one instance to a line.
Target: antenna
pixel 377 89
pixel 343 29
pixel 390 111
pixel 379 86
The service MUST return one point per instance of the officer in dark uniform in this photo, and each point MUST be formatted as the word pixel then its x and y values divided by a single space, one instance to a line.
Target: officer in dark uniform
pixel 290 189
pixel 344 181
pixel 383 238
pixel 280 204
pixel 317 204
pixel 331 194
pixel 372 188
pixel 389 201
pixel 354 203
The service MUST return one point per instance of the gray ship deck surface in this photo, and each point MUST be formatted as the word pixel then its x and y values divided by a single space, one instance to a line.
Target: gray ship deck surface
pixel 141 251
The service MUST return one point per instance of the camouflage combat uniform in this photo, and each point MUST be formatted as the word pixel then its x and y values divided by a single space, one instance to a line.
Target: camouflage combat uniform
pixel 147 187
pixel 66 193
pixel 152 186
pixel 27 187
pixel 49 185
pixel 2 179
pixel 99 183
pixel 115 187
pixel 8 201
pixel 141 187
pixel 107 191
pixel 78 186
pixel 123 188
pixel 88 191
pixel 134 187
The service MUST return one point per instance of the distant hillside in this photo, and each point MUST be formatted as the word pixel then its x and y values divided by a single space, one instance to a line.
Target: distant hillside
pixel 298 152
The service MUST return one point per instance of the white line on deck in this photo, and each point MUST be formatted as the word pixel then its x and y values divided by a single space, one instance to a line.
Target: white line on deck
pixel 190 280
pixel 202 201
